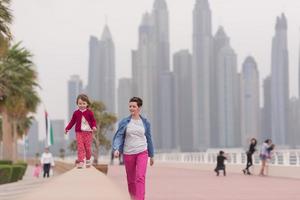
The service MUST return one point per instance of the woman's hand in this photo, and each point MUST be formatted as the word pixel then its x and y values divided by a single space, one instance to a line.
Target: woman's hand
pixel 151 161
pixel 116 153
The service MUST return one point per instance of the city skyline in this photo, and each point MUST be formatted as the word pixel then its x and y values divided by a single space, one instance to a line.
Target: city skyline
pixel 59 113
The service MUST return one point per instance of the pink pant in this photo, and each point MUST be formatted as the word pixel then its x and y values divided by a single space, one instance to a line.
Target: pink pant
pixel 136 166
pixel 84 141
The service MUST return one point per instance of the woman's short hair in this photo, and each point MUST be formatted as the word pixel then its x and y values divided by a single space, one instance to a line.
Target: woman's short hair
pixel 138 101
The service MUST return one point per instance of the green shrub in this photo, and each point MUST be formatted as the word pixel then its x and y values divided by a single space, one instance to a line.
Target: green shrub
pixel 5 162
pixel 24 164
pixel 17 170
pixel 5 173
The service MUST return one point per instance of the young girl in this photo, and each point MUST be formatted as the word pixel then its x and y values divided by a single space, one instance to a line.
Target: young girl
pixel 37 170
pixel 85 124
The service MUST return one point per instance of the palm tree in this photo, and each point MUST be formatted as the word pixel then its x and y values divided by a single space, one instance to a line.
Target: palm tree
pixel 105 123
pixel 17 85
pixel 5 21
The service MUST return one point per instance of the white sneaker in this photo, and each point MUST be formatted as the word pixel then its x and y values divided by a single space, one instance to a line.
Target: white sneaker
pixel 88 163
pixel 80 165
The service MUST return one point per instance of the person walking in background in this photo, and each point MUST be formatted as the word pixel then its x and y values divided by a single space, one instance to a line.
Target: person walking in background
pixel 47 162
pixel 133 139
pixel 265 154
pixel 249 154
pixel 37 170
pixel 221 163
pixel 85 124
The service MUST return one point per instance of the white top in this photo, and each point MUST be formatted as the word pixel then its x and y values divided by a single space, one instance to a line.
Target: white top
pixel 264 149
pixel 85 125
pixel 135 139
pixel 47 158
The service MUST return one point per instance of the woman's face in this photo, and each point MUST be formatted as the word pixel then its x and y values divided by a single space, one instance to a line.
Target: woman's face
pixel 253 141
pixel 82 104
pixel 133 108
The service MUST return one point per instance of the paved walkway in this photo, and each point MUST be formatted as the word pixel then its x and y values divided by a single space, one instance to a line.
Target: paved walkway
pixel 170 183
pixel 164 182
pixel 17 189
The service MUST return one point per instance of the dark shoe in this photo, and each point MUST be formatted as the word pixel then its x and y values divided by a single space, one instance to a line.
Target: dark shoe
pixel 249 173
pixel 244 171
pixel 217 172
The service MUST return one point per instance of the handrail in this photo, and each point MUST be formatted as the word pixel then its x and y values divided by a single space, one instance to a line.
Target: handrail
pixel 236 156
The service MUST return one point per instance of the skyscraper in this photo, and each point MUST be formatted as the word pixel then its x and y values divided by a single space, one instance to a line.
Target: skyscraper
pixel 266 132
pixel 101 80
pixel 219 41
pixel 250 101
pixel 166 112
pixel 107 71
pixel 58 136
pixel 182 62
pixel 280 82
pixel 151 69
pixel 93 89
pixel 162 75
pixel 32 140
pixel 124 94
pixel 143 66
pixel 293 137
pixel 202 57
pixel 74 89
pixel 227 97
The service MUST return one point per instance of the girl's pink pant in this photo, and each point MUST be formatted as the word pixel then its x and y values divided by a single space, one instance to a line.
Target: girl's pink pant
pixel 84 141
pixel 136 166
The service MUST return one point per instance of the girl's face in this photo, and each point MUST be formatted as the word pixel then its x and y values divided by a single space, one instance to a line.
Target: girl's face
pixel 134 109
pixel 82 104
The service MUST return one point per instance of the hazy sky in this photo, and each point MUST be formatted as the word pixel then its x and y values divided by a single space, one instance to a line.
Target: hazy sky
pixel 58 31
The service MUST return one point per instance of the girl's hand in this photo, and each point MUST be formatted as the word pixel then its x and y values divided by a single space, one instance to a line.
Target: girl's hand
pixel 66 132
pixel 116 153
pixel 151 161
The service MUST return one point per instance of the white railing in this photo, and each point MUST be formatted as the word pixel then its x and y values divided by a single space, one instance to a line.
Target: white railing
pixel 234 156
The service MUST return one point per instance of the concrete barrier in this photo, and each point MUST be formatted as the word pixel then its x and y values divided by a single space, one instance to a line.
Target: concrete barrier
pixel 78 184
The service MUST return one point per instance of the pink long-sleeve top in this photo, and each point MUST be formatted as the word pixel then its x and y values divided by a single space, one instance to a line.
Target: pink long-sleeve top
pixel 77 117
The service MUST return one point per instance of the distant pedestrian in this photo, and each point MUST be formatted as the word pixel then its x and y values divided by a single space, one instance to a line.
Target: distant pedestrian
pixel 47 161
pixel 221 163
pixel 249 154
pixel 133 139
pixel 85 124
pixel 265 154
pixel 37 170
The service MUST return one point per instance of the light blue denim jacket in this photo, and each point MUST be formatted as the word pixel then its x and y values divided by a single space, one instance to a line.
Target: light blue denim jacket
pixel 119 138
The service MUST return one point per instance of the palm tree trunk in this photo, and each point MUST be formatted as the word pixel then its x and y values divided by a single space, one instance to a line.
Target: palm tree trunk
pixel 14 143
pixel 96 150
pixel 7 136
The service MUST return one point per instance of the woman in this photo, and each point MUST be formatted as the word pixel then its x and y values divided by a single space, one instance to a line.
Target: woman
pixel 133 140
pixel 47 162
pixel 265 153
pixel 249 153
